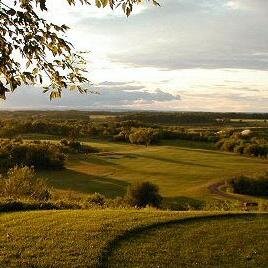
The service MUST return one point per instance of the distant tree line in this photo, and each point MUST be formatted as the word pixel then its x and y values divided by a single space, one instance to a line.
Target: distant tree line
pixel 190 118
pixel 244 145
pixel 136 130
pixel 149 136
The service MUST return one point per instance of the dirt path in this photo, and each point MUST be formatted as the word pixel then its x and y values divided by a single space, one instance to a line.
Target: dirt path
pixel 217 189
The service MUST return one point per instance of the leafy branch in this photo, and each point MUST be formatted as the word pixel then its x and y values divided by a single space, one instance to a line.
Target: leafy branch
pixel 33 49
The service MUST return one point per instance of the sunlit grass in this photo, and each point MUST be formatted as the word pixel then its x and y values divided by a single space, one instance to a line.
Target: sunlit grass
pixel 69 238
pixel 230 242
pixel 177 170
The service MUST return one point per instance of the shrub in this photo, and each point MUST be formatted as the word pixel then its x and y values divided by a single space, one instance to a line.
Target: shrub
pixel 119 137
pixel 42 156
pixel 250 186
pixel 144 136
pixel 251 147
pixel 10 205
pixel 21 182
pixel 239 149
pixel 76 147
pixel 95 199
pixel 229 145
pixel 142 194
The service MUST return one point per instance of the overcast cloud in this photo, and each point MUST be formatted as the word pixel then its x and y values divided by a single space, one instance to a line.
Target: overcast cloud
pixel 186 55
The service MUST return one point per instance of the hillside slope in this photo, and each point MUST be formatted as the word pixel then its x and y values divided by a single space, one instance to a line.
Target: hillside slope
pixel 77 238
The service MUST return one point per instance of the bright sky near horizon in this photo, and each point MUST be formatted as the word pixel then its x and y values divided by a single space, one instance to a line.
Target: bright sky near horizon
pixel 205 55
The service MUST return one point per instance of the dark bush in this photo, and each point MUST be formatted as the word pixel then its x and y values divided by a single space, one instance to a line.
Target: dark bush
pixel 142 194
pixel 76 147
pixel 250 186
pixel 10 205
pixel 239 149
pixel 42 156
pixel 95 200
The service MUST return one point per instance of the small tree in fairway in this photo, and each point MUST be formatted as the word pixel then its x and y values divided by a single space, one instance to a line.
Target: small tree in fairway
pixel 142 194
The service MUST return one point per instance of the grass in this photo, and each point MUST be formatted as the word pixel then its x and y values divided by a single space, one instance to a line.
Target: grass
pixel 226 242
pixel 69 238
pixel 93 238
pixel 177 169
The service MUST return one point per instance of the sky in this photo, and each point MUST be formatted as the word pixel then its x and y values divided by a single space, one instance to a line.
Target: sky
pixel 187 55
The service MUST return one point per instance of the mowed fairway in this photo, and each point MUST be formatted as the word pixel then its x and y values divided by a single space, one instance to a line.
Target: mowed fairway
pixel 177 170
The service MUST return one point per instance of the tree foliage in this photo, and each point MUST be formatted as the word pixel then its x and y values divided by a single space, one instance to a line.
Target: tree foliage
pixel 32 48
pixel 42 155
pixel 21 182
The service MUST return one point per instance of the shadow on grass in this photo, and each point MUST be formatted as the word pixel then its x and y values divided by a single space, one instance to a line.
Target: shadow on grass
pixel 194 145
pixel 173 161
pixel 91 159
pixel 68 179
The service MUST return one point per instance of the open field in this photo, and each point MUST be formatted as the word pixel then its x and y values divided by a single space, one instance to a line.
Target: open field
pixel 177 170
pixel 88 238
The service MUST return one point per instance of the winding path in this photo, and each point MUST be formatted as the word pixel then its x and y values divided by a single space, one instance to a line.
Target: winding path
pixel 216 188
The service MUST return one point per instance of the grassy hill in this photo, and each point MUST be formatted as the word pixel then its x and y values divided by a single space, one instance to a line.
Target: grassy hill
pixel 226 242
pixel 178 169
pixel 94 238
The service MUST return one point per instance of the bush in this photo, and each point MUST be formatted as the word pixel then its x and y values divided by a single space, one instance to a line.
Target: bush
pixel 250 186
pixel 251 147
pixel 95 200
pixel 16 205
pixel 239 149
pixel 10 205
pixel 42 156
pixel 144 136
pixel 142 194
pixel 76 147
pixel 21 182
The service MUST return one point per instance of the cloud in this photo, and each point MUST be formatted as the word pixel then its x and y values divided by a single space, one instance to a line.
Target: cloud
pixel 32 98
pixel 248 5
pixel 212 53
pixel 114 83
pixel 183 34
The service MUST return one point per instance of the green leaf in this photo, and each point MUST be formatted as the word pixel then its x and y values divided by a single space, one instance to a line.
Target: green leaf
pixel 98 3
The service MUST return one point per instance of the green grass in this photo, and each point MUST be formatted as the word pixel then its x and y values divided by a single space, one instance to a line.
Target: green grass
pixel 92 238
pixel 229 242
pixel 177 170
pixel 69 238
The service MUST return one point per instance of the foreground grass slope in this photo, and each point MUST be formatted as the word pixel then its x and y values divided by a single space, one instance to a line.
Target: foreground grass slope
pixel 176 169
pixel 92 238
pixel 226 242
pixel 68 238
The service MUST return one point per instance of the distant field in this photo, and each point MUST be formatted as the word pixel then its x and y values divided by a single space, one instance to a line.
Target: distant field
pixel 177 169
pixel 89 237
pixel 248 120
